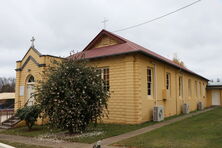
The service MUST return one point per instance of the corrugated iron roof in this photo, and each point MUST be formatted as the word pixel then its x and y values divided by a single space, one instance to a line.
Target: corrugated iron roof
pixel 215 83
pixel 125 46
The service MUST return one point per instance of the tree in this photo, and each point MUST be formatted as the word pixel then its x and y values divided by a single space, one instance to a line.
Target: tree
pixel 29 114
pixel 72 95
pixel 178 61
pixel 7 84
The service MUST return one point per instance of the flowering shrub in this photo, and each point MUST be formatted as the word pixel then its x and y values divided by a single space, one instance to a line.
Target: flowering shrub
pixel 72 95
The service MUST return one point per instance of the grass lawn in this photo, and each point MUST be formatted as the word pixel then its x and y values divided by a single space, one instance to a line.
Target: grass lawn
pixel 200 131
pixel 92 134
pixel 21 145
pixel 23 131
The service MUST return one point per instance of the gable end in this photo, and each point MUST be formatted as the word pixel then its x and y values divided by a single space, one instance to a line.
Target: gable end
pixel 104 38
pixel 26 62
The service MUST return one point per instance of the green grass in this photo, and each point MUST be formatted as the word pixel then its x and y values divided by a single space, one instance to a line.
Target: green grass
pixel 106 130
pixel 23 131
pixel 21 145
pixel 200 131
pixel 110 130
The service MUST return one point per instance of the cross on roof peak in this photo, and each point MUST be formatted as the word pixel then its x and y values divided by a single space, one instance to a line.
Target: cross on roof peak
pixel 32 40
pixel 104 22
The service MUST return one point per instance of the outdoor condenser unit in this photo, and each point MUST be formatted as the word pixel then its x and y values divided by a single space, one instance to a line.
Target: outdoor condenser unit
pixel 185 108
pixel 158 113
pixel 200 106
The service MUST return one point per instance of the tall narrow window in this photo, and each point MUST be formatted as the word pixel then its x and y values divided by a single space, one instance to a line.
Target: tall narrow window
pixel 168 81
pixel 200 90
pixel 106 78
pixel 204 90
pixel 189 88
pixel 180 86
pixel 196 89
pixel 104 72
pixel 149 81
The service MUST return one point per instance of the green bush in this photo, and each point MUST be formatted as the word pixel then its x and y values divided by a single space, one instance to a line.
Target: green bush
pixel 29 114
pixel 72 95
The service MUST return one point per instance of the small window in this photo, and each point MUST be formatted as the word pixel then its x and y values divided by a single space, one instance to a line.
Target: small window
pixel 189 88
pixel 200 90
pixel 106 78
pixel 104 73
pixel 204 90
pixel 168 81
pixel 180 86
pixel 149 81
pixel 196 89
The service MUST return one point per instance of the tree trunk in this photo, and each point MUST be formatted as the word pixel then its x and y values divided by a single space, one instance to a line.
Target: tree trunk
pixel 71 130
pixel 29 125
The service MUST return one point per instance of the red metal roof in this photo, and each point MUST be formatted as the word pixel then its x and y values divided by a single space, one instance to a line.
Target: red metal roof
pixel 124 46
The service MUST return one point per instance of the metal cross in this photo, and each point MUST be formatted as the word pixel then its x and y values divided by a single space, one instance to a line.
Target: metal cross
pixel 32 40
pixel 104 23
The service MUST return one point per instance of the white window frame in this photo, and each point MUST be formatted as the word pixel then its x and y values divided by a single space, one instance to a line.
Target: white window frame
pixel 200 90
pixel 103 73
pixel 168 82
pixel 149 81
pixel 196 89
pixel 180 86
pixel 189 88
pixel 204 90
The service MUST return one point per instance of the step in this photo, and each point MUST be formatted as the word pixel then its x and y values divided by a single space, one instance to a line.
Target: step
pixel 14 120
pixel 4 127
pixel 7 124
pixel 17 118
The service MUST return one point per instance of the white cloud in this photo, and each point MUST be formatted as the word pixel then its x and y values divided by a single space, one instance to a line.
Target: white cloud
pixel 61 26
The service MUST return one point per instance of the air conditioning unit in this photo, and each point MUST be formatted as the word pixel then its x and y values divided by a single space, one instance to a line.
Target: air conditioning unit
pixel 158 113
pixel 185 108
pixel 200 106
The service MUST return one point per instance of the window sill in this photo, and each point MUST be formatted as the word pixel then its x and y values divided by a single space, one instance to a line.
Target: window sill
pixel 150 98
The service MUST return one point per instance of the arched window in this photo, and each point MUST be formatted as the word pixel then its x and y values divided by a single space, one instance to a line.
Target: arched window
pixel 31 79
pixel 30 90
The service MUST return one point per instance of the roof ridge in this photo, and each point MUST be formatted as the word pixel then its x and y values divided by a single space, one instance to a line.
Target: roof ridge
pixel 129 46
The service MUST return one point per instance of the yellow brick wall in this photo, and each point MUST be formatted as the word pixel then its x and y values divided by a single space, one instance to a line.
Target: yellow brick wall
pixel 123 105
pixel 173 105
pixel 129 102
pixel 209 95
pixel 30 69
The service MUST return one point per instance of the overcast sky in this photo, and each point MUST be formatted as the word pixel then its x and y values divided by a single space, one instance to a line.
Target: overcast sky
pixel 60 26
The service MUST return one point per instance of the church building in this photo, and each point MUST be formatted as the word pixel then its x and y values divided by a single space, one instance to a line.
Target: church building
pixel 137 79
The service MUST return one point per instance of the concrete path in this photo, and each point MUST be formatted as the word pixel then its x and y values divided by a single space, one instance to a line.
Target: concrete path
pixel 105 142
pixel 112 140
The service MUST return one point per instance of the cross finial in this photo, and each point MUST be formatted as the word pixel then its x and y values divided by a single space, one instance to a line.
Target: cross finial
pixel 32 40
pixel 104 22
